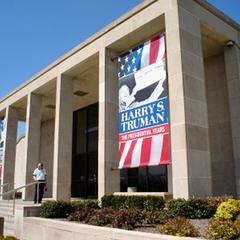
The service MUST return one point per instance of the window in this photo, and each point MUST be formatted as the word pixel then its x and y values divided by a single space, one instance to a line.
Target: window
pixel 145 179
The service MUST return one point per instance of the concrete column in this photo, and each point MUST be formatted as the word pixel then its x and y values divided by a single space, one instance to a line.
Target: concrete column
pixel 108 174
pixel 32 144
pixel 62 160
pixel 191 168
pixel 10 145
pixel 232 66
pixel 169 178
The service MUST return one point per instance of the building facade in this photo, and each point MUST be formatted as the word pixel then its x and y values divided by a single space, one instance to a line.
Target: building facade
pixel 79 111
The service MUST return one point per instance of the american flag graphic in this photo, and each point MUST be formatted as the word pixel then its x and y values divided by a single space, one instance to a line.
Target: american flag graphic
pixel 140 145
pixel 145 54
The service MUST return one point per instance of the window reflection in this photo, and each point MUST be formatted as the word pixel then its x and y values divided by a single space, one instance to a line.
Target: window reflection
pixel 145 179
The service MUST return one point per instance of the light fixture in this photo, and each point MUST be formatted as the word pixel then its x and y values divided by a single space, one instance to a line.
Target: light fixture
pixel 231 43
pixel 80 93
pixel 50 106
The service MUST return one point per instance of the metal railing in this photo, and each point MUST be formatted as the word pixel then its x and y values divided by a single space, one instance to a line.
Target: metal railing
pixel 13 192
pixel 8 185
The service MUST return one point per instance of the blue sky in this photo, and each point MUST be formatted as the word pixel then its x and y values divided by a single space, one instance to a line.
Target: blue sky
pixel 35 33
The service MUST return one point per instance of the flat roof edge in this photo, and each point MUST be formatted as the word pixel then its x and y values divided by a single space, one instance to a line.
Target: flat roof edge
pixel 218 13
pixel 215 11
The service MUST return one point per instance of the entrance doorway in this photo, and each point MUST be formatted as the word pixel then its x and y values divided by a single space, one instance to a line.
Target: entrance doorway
pixel 85 153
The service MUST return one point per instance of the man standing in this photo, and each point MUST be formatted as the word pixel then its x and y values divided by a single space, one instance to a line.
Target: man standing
pixel 39 176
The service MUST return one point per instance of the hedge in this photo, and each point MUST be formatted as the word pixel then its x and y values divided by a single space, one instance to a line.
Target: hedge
pixel 62 209
pixel 8 238
pixel 192 208
pixel 139 202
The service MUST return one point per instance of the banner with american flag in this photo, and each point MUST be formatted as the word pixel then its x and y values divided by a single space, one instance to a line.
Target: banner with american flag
pixel 143 105
pixel 2 140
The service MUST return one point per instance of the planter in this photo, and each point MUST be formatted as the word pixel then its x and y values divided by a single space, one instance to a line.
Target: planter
pixel 48 229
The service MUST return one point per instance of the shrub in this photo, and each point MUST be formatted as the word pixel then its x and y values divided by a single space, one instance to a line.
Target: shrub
pixel 126 219
pixel 192 208
pixel 62 209
pixel 106 201
pixel 155 217
pixel 178 207
pixel 179 226
pixel 101 217
pixel 113 201
pixel 81 214
pixel 153 202
pixel 85 204
pixel 139 202
pixel 237 225
pixel 221 229
pixel 8 238
pixel 214 202
pixel 200 208
pixel 134 202
pixel 56 209
pixel 228 210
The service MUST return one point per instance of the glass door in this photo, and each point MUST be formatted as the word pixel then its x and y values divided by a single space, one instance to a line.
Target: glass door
pixel 85 153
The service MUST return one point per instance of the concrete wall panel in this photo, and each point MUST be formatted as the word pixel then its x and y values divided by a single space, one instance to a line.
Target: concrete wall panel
pixel 223 176
pixel 46 152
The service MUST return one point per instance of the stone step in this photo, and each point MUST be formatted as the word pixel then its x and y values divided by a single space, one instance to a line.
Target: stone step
pixel 9 226
pixel 9 223
pixel 6 204
pixel 9 232
pixel 6 214
pixel 8 219
pixel 6 211
pixel 5 208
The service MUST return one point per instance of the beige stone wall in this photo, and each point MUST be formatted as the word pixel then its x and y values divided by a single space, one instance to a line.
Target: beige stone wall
pixel 190 155
pixel 223 177
pixel 49 229
pixel 46 152
pixel 20 163
pixel 232 66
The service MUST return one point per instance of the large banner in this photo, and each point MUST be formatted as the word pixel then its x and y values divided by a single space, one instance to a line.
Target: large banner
pixel 2 141
pixel 143 105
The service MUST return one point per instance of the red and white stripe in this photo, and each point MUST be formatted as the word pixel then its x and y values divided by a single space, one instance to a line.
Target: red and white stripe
pixel 141 152
pixel 153 51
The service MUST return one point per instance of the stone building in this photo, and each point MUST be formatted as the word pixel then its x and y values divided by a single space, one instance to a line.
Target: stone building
pixel 71 109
